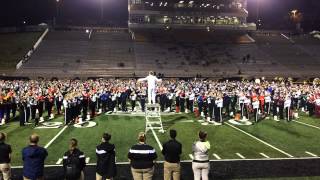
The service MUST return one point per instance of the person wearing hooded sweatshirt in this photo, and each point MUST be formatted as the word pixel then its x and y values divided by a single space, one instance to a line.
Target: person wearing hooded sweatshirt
pixel 200 163
pixel 106 159
pixel 33 157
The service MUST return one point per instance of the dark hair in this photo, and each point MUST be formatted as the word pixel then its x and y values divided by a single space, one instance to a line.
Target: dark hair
pixel 73 143
pixel 34 138
pixel 202 135
pixel 2 137
pixel 106 137
pixel 173 133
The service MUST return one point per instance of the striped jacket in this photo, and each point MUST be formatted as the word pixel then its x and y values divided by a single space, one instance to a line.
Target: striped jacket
pixel 142 156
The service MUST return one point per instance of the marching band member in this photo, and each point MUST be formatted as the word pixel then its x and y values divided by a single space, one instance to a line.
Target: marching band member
pixel 93 103
pixel 182 100
pixel 268 102
pixel 247 108
pixel 210 106
pixel 191 100
pixel 317 105
pixel 170 96
pixel 261 99
pixel 218 110
pixel 242 103
pixel 133 98
pixel 287 105
pixel 255 106
pixel 142 97
pixel 40 100
pixel 59 102
pixel 66 106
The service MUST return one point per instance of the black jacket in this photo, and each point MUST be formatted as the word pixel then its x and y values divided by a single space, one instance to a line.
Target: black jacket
pixel 106 165
pixel 5 150
pixel 77 153
pixel 172 150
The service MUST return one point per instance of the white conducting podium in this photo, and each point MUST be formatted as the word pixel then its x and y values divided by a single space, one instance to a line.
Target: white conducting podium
pixel 153 117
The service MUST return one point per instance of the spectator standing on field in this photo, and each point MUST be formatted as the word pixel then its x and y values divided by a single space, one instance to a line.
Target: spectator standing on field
pixel 200 163
pixel 172 150
pixel 33 157
pixel 74 162
pixel 142 158
pixel 106 159
pixel 5 158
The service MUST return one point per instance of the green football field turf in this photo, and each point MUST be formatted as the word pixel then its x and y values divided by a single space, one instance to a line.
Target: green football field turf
pixel 267 139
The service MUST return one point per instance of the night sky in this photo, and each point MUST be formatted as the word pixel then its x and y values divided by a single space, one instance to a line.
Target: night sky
pixel 274 13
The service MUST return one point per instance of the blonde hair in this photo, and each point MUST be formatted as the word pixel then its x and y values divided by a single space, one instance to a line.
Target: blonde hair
pixel 142 137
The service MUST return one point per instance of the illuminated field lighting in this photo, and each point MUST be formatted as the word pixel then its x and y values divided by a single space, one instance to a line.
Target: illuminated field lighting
pixel 294 12
pixel 181 2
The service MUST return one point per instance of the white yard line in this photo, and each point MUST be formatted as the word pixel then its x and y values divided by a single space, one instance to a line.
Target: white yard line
pixel 264 155
pixel 54 138
pixel 286 37
pixel 240 155
pixel 260 140
pixel 87 160
pixel 216 156
pixel 311 154
pixel 306 124
pixel 59 161
pixel 156 137
pixel 186 121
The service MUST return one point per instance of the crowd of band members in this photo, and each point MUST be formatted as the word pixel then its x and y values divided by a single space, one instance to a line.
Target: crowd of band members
pixel 214 100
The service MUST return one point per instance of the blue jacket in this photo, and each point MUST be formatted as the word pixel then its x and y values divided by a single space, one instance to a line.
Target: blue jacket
pixel 33 161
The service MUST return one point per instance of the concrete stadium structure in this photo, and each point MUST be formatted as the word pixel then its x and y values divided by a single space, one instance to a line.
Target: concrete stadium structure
pixel 183 54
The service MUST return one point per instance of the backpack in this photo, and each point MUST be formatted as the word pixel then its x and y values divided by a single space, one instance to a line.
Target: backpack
pixel 72 168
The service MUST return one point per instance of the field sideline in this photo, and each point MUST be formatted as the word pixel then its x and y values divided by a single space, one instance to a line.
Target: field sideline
pixel 266 140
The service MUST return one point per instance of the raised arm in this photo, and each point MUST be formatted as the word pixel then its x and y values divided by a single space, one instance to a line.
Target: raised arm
pixel 142 79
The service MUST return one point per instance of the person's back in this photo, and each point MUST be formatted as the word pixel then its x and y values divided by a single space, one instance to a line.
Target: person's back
pixel 5 157
pixel 142 158
pixel 200 163
pixel 74 162
pixel 172 150
pixel 33 157
pixel 106 166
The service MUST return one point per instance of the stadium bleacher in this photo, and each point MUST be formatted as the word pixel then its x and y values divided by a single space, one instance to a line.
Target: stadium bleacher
pixel 115 54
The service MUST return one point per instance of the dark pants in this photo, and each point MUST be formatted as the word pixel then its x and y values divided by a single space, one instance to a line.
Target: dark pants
pixel 33 111
pixel 14 110
pixel 104 105
pixel 40 108
pixel 182 102
pixel 93 108
pixel 191 105
pixel 242 108
pixel 84 113
pixel 58 104
pixel 143 104
pixel 281 111
pixel 133 105
pixel 27 114
pixel 255 112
